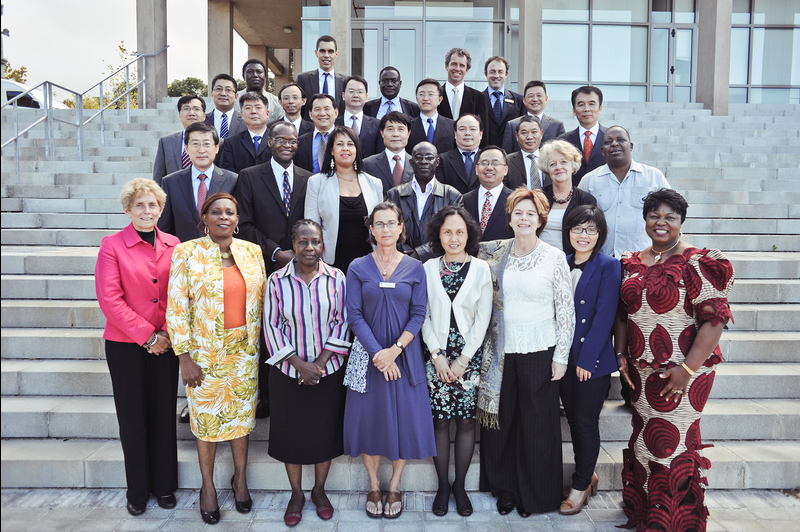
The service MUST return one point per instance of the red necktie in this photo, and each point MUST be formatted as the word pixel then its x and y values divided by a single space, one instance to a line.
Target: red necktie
pixel 587 146
pixel 486 212
pixel 185 160
pixel 202 192
pixel 397 173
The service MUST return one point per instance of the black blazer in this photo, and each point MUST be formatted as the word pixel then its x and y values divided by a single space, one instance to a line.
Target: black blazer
pixel 370 134
pixel 262 215
pixel 378 166
pixel 305 126
pixel 309 82
pixel 444 136
pixel 579 197
pixel 239 151
pixel 596 159
pixel 451 171
pixel 179 216
pixel 473 102
pixel 409 108
pixel 513 107
pixel 517 176
pixel 497 226
pixel 551 129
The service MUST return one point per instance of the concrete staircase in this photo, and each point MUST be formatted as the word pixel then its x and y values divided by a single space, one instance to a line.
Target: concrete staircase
pixel 740 174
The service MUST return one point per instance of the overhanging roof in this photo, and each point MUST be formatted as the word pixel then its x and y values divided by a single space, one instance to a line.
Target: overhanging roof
pixel 261 22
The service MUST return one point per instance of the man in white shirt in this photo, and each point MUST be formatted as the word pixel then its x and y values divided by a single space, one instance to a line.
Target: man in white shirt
pixel 224 117
pixel 487 203
pixel 587 104
pixel 311 146
pixel 250 147
pixel 323 79
pixel 366 127
pixel 535 100
pixel 429 125
pixel 459 99
pixel 391 165
pixel 389 83
pixel 620 187
pixel 292 100
pixel 522 165
pixel 255 78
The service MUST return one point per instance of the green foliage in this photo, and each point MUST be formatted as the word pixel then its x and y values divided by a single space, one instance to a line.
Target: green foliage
pixel 19 75
pixel 115 86
pixel 190 85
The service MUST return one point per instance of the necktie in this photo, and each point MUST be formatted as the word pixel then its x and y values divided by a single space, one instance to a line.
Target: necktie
pixel 486 212
pixel 431 130
pixel 256 143
pixel 397 173
pixel 202 192
pixel 320 153
pixel 223 129
pixel 468 161
pixel 587 146
pixel 535 178
pixel 498 105
pixel 287 192
pixel 325 84
pixel 389 106
pixel 185 161
pixel 357 129
pixel 455 105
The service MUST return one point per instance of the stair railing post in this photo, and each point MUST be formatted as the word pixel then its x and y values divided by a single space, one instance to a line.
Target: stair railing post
pixel 81 125
pixel 128 92
pixel 16 142
pixel 50 145
pixel 102 118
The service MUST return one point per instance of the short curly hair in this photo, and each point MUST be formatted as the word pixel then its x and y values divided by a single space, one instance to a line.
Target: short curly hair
pixel 665 196
pixel 564 148
pixel 434 228
pixel 138 187
pixel 539 202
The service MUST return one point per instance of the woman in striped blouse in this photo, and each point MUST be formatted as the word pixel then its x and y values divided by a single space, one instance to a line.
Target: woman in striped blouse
pixel 305 325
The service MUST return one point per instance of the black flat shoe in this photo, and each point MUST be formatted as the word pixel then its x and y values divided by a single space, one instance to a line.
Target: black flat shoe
pixel 262 409
pixel 167 501
pixel 184 416
pixel 241 507
pixel 505 508
pixel 136 509
pixel 440 503
pixel 463 504
pixel 522 513
pixel 212 518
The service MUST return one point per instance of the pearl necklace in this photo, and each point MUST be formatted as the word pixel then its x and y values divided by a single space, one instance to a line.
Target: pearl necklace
pixel 659 253
pixel 450 266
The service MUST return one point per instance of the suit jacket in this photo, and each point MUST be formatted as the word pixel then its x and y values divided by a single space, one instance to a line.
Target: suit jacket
pixel 497 226
pixel 451 171
pixel 513 107
pixel 179 216
pixel 322 205
pixel 239 152
pixel 235 126
pixel 133 305
pixel 579 197
pixel 551 129
pixel 404 197
pixel 473 102
pixel 409 108
pixel 596 159
pixel 444 136
pixel 378 166
pixel 309 82
pixel 262 215
pixel 369 135
pixel 517 175
pixel 168 157
pixel 596 298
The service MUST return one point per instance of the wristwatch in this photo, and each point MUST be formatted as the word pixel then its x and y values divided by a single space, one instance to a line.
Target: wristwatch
pixel 400 345
pixel 435 355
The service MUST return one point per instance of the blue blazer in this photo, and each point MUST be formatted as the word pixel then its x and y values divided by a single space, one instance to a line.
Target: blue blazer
pixel 596 298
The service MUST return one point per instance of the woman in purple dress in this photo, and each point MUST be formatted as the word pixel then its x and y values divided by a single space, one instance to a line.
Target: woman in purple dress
pixel 388 410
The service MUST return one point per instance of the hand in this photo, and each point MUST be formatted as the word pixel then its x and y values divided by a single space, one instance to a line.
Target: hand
pixel 284 257
pixel 392 372
pixel 443 370
pixel 559 370
pixel 457 369
pixel 622 362
pixel 677 384
pixel 191 373
pixel 583 375
pixel 385 357
pixel 162 344
pixel 310 373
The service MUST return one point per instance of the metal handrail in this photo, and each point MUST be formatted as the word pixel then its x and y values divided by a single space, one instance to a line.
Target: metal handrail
pixel 80 123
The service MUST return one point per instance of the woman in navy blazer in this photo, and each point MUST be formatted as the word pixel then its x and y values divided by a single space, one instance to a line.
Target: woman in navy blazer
pixel 596 280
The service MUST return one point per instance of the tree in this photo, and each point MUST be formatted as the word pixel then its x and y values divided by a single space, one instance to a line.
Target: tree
pixel 190 85
pixel 114 86
pixel 18 74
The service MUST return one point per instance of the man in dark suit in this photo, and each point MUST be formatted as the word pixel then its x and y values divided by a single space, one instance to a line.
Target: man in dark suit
pixel 187 189
pixel 535 100
pixel 323 79
pixel 503 104
pixel 523 170
pixel 587 104
pixel 430 126
pixel 224 117
pixel 390 83
pixel 366 127
pixel 392 165
pixel 171 155
pixel 255 79
pixel 458 98
pixel 249 147
pixel 311 146
pixel 487 203
pixel 292 100
pixel 457 167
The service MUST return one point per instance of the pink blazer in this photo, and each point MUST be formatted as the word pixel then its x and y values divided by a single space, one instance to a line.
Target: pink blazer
pixel 131 280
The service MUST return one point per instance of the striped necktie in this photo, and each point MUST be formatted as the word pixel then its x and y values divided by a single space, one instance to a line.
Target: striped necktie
pixel 223 128
pixel 185 160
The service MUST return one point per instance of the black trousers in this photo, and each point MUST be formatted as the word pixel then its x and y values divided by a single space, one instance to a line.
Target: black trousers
pixel 583 402
pixel 263 368
pixel 523 457
pixel 146 395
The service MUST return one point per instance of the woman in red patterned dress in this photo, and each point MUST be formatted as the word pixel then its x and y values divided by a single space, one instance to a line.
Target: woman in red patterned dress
pixel 673 309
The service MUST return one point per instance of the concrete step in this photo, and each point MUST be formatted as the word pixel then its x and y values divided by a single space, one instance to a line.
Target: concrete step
pixel 58 313
pixel 88 167
pixel 765 291
pixel 48 260
pixel 768 265
pixel 743 226
pixel 53 287
pixel 61 191
pixel 749 346
pixel 55 237
pixel 758 184
pixel 745 242
pixel 63 221
pixel 765 317
pixel 91 205
pixel 52 343
pixel 98 463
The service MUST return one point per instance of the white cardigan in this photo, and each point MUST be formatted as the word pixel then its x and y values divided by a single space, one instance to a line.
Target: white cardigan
pixel 472 307
pixel 322 205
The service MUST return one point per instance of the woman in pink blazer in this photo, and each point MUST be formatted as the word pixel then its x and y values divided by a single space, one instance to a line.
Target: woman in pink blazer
pixel 131 278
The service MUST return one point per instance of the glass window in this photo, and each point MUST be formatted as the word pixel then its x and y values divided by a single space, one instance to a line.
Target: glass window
pixel 313 30
pixel 561 91
pixel 372 9
pixel 662 11
pixel 365 57
pixel 659 94
pixel 627 45
pixel 513 59
pixel 623 93
pixel 779 96
pixel 741 12
pixel 619 11
pixel 565 10
pixel 776 12
pixel 480 38
pixel 464 9
pixel 402 55
pixel 682 95
pixel 316 9
pixel 684 11
pixel 683 56
pixel 740 54
pixel 513 9
pixel 776 57
pixel 737 95
pixel 564 48
pixel 659 56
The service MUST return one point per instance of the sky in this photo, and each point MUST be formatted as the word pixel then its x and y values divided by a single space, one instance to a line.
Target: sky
pixel 72 42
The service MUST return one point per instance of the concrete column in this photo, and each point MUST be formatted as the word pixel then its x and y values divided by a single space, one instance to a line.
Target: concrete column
pixel 151 36
pixel 220 39
pixel 530 41
pixel 255 52
pixel 714 54
pixel 297 62
pixel 341 30
pixel 281 79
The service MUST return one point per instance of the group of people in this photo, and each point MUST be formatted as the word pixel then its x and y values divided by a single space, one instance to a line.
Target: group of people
pixel 364 300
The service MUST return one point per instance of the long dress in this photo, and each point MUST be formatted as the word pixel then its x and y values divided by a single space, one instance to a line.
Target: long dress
pixel 393 418
pixel 666 305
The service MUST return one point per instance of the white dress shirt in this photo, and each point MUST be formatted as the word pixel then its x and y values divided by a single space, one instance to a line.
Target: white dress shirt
pixel 262 134
pixel 196 180
pixel 527 161
pixel 492 199
pixel 297 123
pixel 277 171
pixel 449 87
pixel 422 195
pixel 331 81
pixel 390 155
pixel 426 125
pixel 582 134
pixel 218 119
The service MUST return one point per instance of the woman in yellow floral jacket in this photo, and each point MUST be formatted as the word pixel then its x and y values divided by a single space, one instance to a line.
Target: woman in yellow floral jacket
pixel 216 285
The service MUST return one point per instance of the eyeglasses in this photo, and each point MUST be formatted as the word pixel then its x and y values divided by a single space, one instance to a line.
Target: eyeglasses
pixel 226 90
pixel 591 231
pixel 351 92
pixel 493 164
pixel 187 109
pixel 381 225
pixel 426 158
pixel 427 94
pixel 282 141
pixel 198 145
pixel 288 98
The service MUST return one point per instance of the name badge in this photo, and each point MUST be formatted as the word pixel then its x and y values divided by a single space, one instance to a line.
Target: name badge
pixel 508 100
pixel 386 285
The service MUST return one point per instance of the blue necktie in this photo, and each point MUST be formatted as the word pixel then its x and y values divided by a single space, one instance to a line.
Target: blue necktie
pixel 287 192
pixel 223 129
pixel 325 84
pixel 498 105
pixel 468 161
pixel 256 143
pixel 430 130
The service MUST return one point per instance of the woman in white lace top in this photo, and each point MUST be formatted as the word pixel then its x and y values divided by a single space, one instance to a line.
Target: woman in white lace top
pixel 525 353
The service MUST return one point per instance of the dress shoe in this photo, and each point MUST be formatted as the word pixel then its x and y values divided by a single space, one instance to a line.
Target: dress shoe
pixel 241 507
pixel 463 504
pixel 570 508
pixel 292 518
pixel 184 417
pixel 521 511
pixel 505 508
pixel 167 501
pixel 324 512
pixel 262 412
pixel 440 502
pixel 136 509
pixel 212 518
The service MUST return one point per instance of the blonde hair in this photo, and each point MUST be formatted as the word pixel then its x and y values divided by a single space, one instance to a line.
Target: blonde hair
pixel 138 187
pixel 564 148
pixel 539 201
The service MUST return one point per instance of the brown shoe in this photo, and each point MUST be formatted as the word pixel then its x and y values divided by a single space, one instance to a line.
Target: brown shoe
pixel 375 497
pixel 570 508
pixel 392 498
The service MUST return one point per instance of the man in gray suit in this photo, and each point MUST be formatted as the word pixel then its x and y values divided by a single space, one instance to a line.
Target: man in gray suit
pixel 535 99
pixel 170 156
pixel 391 165
pixel 224 117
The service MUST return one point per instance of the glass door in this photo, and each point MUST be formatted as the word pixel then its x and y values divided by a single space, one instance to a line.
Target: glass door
pixel 671 64
pixel 379 44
